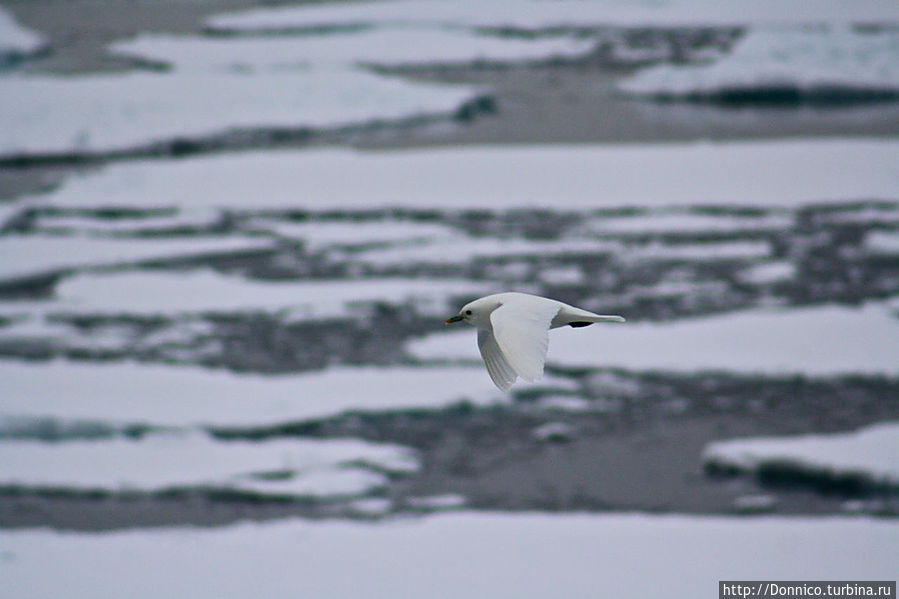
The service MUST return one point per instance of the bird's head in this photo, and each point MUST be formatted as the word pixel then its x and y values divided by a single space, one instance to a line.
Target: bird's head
pixel 476 313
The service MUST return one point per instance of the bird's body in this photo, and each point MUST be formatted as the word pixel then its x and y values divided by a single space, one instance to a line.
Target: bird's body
pixel 512 331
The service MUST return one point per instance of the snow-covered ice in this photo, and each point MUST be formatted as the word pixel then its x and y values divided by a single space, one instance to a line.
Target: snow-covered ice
pixel 179 396
pixel 319 235
pixel 108 112
pixel 534 14
pixel 381 47
pixel 883 242
pixel 152 292
pixel 673 221
pixel 17 41
pixel 757 173
pixel 871 451
pixel 767 273
pixel 809 60
pixel 461 250
pixel 494 555
pixel 825 340
pixel 32 255
pixel 191 459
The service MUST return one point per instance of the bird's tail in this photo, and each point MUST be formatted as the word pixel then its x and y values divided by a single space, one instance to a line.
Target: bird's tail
pixel 605 318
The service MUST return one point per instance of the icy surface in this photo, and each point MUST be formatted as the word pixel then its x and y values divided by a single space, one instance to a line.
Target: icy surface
pixel 536 14
pixel 128 393
pixel 192 459
pixel 809 60
pixel 99 113
pixel 816 341
pixel 679 221
pixel 320 235
pixel 449 555
pixel 30 255
pixel 762 173
pixel 871 451
pixel 880 242
pixel 166 292
pixel 16 40
pixel 383 47
pixel 769 272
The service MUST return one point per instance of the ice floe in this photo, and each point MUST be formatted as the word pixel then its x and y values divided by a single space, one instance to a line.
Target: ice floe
pixel 667 222
pixel 768 273
pixel 319 235
pixel 32 255
pixel 380 47
pixel 882 242
pixel 186 459
pixel 202 291
pixel 115 112
pixel 178 396
pixel 534 14
pixel 814 64
pixel 759 173
pixel 869 452
pixel 16 41
pixel 814 341
pixel 495 555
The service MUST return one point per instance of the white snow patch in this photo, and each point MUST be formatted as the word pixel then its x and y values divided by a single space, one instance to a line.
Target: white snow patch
pixel 448 501
pixel 768 273
pixel 462 249
pixel 319 235
pixel 882 242
pixel 718 250
pixel 757 173
pixel 448 555
pixel 32 255
pixel 383 47
pixel 871 451
pixel 192 459
pixel 128 393
pixel 106 112
pixel 16 40
pixel 199 291
pixel 124 226
pixel 783 57
pixel 815 341
pixel 680 222
pixel 534 14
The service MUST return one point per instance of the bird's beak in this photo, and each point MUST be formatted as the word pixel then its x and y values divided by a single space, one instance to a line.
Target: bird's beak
pixel 453 319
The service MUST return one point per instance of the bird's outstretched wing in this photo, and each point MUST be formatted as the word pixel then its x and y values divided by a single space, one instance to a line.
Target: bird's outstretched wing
pixel 521 329
pixel 502 374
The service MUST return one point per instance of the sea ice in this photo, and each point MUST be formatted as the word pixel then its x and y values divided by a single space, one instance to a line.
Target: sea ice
pixel 808 60
pixel 814 341
pixel 871 451
pixel 756 173
pixel 178 396
pixel 458 554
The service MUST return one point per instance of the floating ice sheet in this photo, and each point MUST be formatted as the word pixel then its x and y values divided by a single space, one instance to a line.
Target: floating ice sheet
pixel 17 41
pixel 194 460
pixel 451 555
pixel 816 341
pixel 200 291
pixel 109 112
pixel 811 61
pixel 30 255
pixel 382 47
pixel 871 451
pixel 759 173
pixel 319 235
pixel 128 393
pixel 535 14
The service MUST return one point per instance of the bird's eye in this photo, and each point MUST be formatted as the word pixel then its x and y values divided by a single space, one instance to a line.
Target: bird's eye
pixel 468 312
